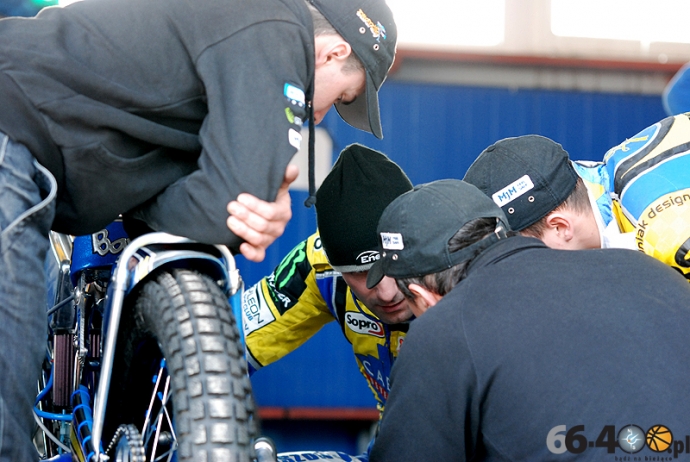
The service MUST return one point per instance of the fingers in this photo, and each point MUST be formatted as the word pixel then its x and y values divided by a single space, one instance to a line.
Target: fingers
pixel 263 236
pixel 255 247
pixel 263 217
pixel 257 232
pixel 251 253
pixel 258 222
pixel 291 174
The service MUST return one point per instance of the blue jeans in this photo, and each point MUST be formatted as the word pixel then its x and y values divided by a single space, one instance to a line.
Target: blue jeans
pixel 27 208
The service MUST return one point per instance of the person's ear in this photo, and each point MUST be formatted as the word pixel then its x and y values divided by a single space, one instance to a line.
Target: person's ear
pixel 560 226
pixel 424 298
pixel 331 48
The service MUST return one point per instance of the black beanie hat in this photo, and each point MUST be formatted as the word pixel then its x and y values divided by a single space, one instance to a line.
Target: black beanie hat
pixel 350 202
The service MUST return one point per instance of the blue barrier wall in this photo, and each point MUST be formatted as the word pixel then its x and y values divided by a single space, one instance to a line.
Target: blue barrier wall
pixel 432 132
pixel 436 131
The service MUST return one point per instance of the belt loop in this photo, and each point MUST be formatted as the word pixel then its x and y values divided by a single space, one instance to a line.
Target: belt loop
pixel 3 146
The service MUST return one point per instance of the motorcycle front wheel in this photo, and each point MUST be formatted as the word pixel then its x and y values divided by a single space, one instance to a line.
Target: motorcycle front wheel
pixel 179 373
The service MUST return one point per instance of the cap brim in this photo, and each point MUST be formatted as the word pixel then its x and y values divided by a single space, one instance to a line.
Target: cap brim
pixel 363 112
pixel 375 274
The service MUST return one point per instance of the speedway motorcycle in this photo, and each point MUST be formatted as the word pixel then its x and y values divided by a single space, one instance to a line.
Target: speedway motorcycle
pixel 143 356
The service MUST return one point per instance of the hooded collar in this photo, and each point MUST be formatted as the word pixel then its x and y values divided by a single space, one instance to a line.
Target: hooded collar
pixel 502 249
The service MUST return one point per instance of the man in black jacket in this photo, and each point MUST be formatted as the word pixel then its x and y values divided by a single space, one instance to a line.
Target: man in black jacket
pixel 533 353
pixel 173 112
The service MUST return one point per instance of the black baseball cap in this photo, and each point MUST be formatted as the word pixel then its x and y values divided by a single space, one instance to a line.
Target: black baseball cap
pixel 350 202
pixel 368 26
pixel 415 229
pixel 527 176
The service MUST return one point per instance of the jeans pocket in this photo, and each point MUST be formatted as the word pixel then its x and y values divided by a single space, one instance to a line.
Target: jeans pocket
pixel 27 194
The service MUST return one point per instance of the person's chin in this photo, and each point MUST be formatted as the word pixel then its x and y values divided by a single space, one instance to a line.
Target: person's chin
pixel 393 314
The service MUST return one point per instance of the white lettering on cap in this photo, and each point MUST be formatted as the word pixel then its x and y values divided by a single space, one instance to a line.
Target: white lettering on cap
pixel 392 241
pixel 514 190
pixel 369 256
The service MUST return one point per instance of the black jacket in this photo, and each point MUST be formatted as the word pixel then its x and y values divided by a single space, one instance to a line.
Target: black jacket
pixel 543 354
pixel 166 108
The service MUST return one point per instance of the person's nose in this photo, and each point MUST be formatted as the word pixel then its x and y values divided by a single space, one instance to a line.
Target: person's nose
pixel 387 289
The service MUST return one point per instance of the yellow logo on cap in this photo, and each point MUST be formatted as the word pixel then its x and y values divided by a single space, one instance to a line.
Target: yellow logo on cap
pixel 377 30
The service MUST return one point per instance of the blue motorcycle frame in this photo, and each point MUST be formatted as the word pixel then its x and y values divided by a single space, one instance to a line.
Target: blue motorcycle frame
pixel 85 261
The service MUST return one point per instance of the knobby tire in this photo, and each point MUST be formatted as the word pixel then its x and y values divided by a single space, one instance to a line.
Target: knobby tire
pixel 185 317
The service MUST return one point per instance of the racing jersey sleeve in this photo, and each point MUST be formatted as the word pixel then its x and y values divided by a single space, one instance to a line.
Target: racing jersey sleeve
pixel 649 180
pixel 286 308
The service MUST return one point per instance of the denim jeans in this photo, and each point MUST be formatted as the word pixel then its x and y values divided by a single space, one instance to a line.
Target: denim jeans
pixel 27 208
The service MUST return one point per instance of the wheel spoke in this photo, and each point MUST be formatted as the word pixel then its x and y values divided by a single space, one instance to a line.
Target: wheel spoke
pixel 153 426
pixel 153 397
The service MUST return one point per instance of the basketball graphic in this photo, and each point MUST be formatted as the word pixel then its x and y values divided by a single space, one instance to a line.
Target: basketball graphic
pixel 659 438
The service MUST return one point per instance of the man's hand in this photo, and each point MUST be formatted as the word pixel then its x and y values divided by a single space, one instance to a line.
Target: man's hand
pixel 259 222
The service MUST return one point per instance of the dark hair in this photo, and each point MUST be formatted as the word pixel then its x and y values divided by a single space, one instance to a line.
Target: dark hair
pixel 443 281
pixel 577 201
pixel 323 27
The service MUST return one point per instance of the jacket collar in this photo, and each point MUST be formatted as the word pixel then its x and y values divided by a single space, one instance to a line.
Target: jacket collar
pixel 504 248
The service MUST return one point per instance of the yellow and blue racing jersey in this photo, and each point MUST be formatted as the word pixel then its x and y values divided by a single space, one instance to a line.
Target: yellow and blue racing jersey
pixel 644 183
pixel 289 306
